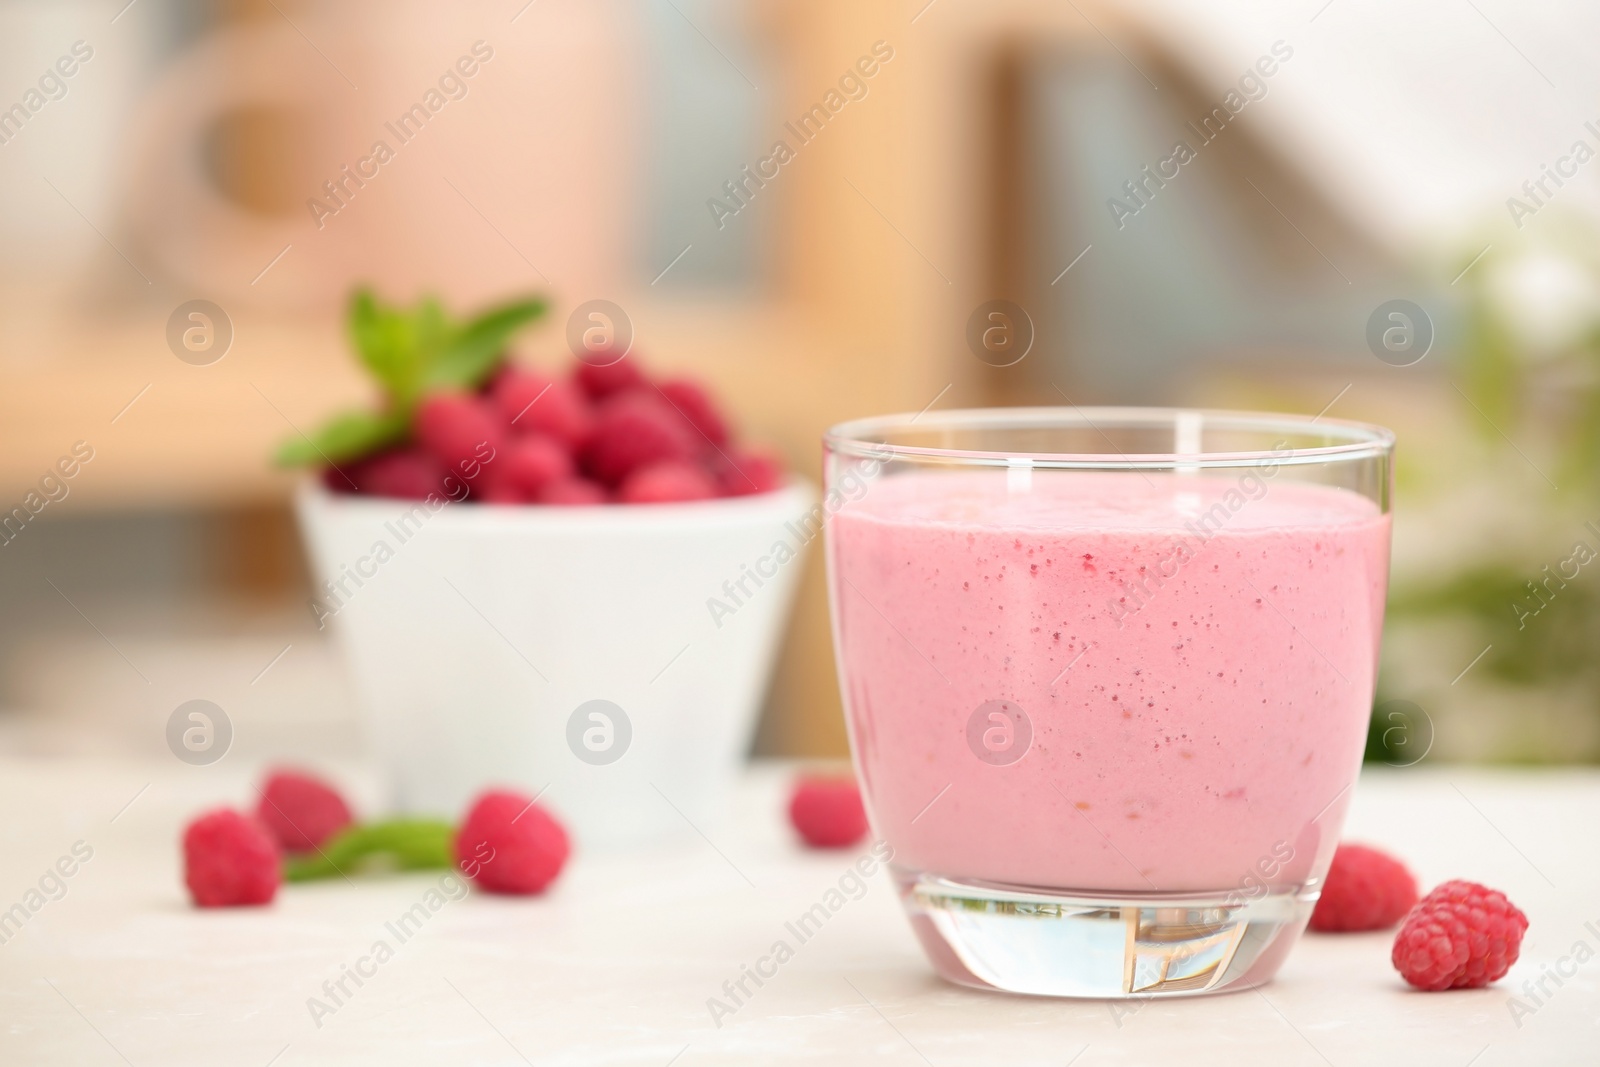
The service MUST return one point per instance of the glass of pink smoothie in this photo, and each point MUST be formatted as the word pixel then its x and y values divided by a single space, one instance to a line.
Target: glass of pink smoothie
pixel 1107 674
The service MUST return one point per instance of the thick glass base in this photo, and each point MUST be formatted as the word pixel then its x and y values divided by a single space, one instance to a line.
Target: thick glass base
pixel 1109 945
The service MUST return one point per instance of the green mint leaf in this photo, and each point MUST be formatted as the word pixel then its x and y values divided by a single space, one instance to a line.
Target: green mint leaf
pixel 475 349
pixel 409 352
pixel 349 436
pixel 399 844
pixel 396 345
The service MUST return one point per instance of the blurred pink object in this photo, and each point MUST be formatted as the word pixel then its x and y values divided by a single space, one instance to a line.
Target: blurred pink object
pixel 440 152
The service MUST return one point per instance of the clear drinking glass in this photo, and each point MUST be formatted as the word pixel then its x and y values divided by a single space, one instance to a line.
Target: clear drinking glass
pixel 1108 674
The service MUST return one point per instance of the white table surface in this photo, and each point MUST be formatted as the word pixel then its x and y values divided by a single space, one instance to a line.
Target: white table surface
pixel 615 965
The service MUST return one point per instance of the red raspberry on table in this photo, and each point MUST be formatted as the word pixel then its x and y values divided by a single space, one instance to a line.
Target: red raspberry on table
pixel 461 429
pixel 600 382
pixel 574 492
pixel 509 844
pixel 1460 936
pixel 748 473
pixel 230 859
pixel 1365 890
pixel 634 431
pixel 828 811
pixel 667 482
pixel 696 405
pixel 301 811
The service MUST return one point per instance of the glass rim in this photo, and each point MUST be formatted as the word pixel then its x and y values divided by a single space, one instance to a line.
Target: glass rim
pixel 1360 440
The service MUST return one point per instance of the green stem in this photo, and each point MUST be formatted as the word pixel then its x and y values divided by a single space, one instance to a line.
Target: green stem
pixel 400 844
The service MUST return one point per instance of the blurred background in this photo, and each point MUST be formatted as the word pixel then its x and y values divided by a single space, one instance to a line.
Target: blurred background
pixel 1336 157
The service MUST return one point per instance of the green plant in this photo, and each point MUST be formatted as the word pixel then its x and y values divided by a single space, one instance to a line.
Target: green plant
pixel 397 844
pixel 1528 369
pixel 410 352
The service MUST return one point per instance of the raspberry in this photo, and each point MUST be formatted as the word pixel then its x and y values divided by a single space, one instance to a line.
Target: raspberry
pixel 1460 936
pixel 747 473
pixel 573 491
pixel 828 811
pixel 407 473
pixel 667 482
pixel 600 382
pixel 460 429
pixel 695 404
pixel 301 811
pixel 337 480
pixel 513 388
pixel 509 844
pixel 1365 890
pixel 633 431
pixel 490 491
pixel 229 859
pixel 524 467
pixel 561 411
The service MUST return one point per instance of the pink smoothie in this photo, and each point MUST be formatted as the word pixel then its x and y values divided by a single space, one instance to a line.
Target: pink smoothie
pixel 1194 652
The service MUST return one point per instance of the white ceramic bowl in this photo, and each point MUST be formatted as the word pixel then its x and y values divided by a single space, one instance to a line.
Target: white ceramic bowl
pixel 475 632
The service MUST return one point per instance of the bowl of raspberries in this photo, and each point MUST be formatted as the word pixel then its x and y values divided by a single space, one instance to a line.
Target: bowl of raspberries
pixel 572 578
